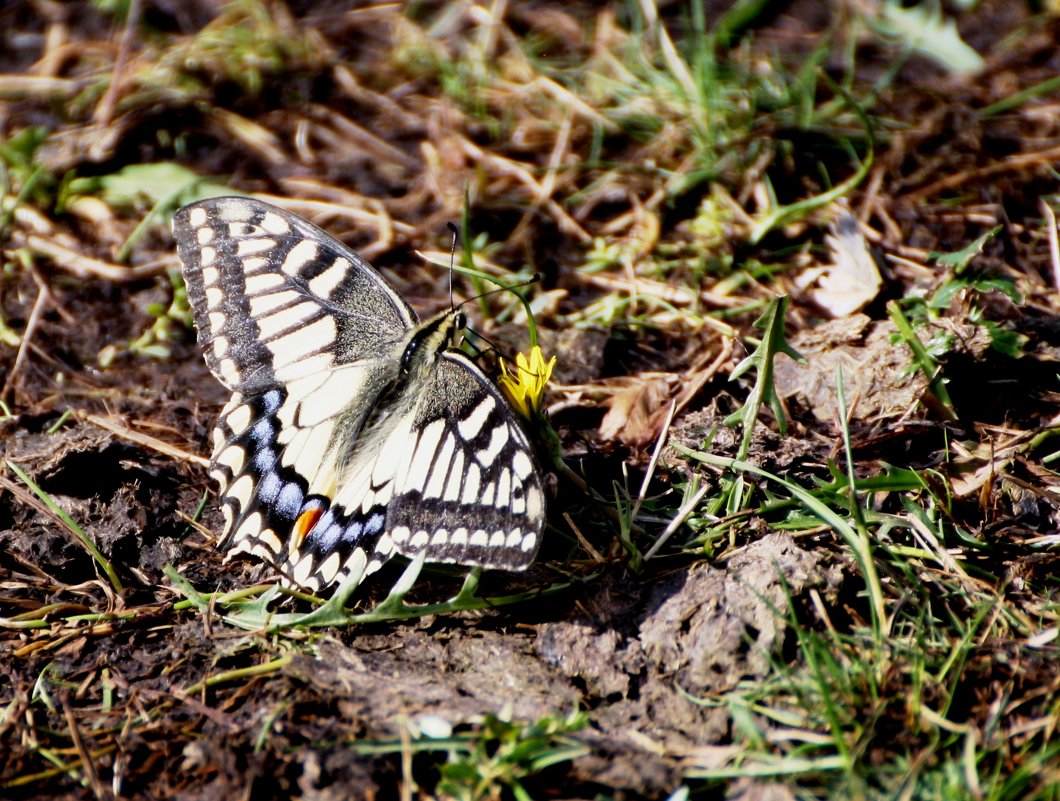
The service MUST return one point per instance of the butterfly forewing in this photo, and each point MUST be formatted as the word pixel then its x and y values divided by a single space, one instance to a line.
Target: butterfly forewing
pixel 354 432
pixel 276 299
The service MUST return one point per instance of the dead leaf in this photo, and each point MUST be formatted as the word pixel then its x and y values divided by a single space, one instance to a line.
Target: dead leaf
pixel 853 280
pixel 630 409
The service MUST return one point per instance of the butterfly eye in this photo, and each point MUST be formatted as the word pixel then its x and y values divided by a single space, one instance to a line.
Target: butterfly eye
pixel 410 353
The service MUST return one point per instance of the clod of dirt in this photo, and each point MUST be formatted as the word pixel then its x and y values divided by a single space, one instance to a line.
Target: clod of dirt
pixel 711 628
pixel 417 674
pixel 878 376
pixel 320 779
pixel 770 450
pixel 49 456
pixel 698 633
pixel 876 379
pixel 593 648
pixel 594 657
pixel 110 489
pixel 582 353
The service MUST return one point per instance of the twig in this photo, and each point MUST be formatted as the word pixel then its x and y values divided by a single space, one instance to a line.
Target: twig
pixel 98 788
pixel 345 133
pixel 1054 243
pixel 1018 162
pixel 682 514
pixel 566 223
pixel 56 39
pixel 563 95
pixel 24 344
pixel 33 87
pixel 255 137
pixel 348 83
pixel 548 183
pixel 407 780
pixel 490 30
pixel 82 266
pixel 650 471
pixel 104 113
pixel 671 294
pixel 595 554
pixel 147 441
pixel 49 296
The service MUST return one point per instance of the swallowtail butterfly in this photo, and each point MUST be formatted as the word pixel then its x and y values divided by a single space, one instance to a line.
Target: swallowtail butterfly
pixel 354 431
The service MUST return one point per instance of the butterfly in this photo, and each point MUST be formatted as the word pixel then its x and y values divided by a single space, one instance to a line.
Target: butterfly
pixel 355 431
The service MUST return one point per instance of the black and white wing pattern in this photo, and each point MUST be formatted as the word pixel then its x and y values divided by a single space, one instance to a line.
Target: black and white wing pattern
pixel 354 431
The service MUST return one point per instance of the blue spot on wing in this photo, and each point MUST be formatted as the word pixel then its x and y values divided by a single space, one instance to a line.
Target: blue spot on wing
pixel 374 526
pixel 289 500
pixel 269 488
pixel 264 459
pixel 271 401
pixel 263 433
pixel 353 532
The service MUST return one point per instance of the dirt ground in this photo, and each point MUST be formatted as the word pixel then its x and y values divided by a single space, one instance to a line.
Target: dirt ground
pixel 165 700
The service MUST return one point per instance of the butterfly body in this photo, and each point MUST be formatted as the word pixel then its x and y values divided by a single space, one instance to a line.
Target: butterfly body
pixel 354 431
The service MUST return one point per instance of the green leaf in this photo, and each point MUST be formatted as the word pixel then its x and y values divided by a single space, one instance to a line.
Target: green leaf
pixel 1006 342
pixel 960 259
pixel 944 295
pixel 247 609
pixel 18 151
pixel 764 391
pixel 155 183
pixel 923 358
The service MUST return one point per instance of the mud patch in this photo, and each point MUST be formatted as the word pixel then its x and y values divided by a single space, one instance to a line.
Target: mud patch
pixel 125 503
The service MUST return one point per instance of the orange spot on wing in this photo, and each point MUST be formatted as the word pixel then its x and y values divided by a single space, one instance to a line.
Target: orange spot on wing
pixel 304 524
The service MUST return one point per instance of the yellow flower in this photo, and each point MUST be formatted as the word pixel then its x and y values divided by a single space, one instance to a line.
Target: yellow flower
pixel 525 383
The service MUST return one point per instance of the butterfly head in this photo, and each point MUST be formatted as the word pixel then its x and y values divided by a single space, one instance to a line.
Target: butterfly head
pixel 444 331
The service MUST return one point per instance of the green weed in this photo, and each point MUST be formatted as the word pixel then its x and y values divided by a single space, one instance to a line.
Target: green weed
pixel 505 753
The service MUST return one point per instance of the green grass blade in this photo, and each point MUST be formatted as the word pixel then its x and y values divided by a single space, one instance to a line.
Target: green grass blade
pixel 79 532
pixel 858 543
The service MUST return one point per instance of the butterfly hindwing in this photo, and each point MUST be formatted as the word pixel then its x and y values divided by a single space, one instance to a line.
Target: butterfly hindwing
pixel 354 432
pixel 470 493
pixel 274 468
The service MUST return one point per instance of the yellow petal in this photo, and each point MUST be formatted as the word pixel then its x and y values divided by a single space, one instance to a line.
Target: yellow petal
pixel 525 384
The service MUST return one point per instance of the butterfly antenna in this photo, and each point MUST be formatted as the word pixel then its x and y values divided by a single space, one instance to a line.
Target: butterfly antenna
pixel 452 261
pixel 531 280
